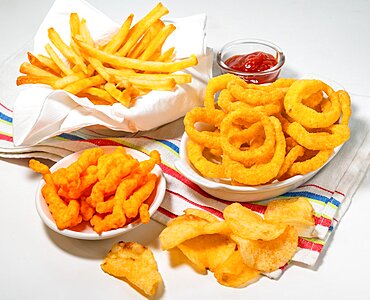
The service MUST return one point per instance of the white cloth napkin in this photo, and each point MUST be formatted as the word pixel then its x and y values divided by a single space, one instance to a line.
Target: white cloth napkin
pixel 40 112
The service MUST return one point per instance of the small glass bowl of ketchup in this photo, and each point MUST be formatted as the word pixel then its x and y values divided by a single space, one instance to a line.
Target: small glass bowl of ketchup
pixel 255 61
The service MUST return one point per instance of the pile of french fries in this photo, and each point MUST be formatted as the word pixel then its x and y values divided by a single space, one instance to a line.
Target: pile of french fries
pixel 129 65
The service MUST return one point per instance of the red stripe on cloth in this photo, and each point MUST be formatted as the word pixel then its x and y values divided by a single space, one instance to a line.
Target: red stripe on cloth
pixel 322 221
pixel 186 181
pixel 322 188
pixel 167 213
pixel 101 142
pixel 304 244
pixel 7 108
pixel 316 186
pixel 206 208
pixel 6 138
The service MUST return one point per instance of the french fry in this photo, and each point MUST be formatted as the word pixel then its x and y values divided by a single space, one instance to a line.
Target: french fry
pixel 98 66
pixel 123 97
pixel 38 63
pixel 145 40
pixel 117 40
pixel 65 50
pixel 167 55
pixel 139 29
pixel 49 63
pixel 85 33
pixel 131 63
pixel 29 69
pixel 30 79
pixel 120 75
pixel 63 82
pixel 157 42
pixel 100 93
pixel 74 23
pixel 56 59
pixel 94 99
pixel 80 85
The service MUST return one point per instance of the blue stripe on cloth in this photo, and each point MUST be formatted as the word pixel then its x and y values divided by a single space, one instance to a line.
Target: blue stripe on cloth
pixel 169 144
pixel 312 196
pixel 71 137
pixel 6 118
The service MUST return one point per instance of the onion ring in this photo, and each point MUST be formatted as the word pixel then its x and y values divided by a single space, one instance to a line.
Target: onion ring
pixel 309 165
pixel 339 133
pixel 211 116
pixel 305 115
pixel 259 173
pixel 202 164
pixel 250 156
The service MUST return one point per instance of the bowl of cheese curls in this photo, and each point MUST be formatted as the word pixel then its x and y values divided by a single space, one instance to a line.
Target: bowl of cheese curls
pixel 100 192
pixel 252 142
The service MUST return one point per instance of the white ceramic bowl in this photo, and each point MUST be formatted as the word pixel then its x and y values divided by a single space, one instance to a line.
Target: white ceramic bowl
pixel 84 231
pixel 239 193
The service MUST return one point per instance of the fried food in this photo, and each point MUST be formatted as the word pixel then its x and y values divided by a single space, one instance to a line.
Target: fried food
pixel 243 246
pixel 98 188
pixel 297 212
pixel 136 264
pixel 267 256
pixel 249 225
pixel 129 65
pixel 260 134
pixel 187 227
pixel 233 272
pixel 209 251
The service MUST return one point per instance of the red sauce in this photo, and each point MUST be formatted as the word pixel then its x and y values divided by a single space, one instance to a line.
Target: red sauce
pixel 254 63
pixel 251 63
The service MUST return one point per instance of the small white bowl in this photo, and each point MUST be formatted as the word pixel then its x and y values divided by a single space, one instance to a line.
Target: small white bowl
pixel 84 231
pixel 239 193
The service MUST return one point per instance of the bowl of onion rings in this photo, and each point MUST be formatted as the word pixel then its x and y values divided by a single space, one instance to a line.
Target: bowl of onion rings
pixel 224 189
pixel 253 142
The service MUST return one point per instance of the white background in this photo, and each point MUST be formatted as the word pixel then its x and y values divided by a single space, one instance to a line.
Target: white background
pixel 329 38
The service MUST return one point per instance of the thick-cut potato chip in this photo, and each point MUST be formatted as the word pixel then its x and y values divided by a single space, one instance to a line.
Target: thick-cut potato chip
pixel 249 225
pixel 233 272
pixel 297 212
pixel 187 227
pixel 201 214
pixel 208 251
pixel 268 256
pixel 135 263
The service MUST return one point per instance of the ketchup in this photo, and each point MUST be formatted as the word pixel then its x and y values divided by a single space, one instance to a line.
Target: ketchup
pixel 254 63
pixel 251 63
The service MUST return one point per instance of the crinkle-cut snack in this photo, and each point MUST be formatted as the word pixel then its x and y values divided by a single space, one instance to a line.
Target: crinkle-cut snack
pixel 109 190
pixel 136 264
pixel 258 134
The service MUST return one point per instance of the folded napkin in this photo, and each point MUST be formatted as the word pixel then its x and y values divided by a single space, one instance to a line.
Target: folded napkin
pixel 40 112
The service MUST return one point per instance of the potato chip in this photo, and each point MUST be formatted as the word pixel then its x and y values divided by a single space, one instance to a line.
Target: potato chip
pixel 297 212
pixel 208 251
pixel 233 272
pixel 267 256
pixel 201 214
pixel 249 225
pixel 187 227
pixel 135 263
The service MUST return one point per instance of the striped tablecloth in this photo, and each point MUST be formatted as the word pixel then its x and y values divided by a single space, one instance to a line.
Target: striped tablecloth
pixel 330 191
